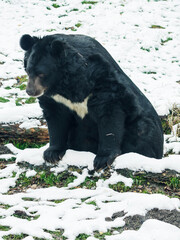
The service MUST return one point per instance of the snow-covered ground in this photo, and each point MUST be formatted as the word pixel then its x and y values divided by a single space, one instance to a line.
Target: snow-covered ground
pixel 75 215
pixel 144 38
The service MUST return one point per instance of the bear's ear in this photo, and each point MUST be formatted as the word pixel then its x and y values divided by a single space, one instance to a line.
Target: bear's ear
pixel 26 42
pixel 58 47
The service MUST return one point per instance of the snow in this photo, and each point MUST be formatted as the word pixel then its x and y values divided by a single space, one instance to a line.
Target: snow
pixel 132 161
pixel 150 57
pixel 82 216
pixel 152 229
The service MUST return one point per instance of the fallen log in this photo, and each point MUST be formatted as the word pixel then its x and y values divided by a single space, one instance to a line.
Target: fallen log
pixel 13 133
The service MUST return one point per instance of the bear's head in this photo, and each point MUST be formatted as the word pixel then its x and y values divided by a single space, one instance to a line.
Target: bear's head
pixel 38 63
pixel 51 64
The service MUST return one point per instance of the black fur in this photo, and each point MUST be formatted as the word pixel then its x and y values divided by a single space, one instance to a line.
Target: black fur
pixel 120 119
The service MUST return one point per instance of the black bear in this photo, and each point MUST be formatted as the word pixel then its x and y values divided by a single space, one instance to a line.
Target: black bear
pixel 88 101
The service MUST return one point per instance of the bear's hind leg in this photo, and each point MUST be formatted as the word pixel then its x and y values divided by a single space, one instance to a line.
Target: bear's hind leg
pixel 110 123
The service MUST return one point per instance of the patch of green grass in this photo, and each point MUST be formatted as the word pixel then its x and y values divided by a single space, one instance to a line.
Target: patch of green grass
pixel 58 201
pixel 23 215
pixel 22 87
pixel 55 5
pixel 139 180
pixel 44 179
pixel 23 145
pixel 175 61
pixel 101 235
pixel 119 187
pixel 4 206
pixel 89 2
pixel 64 15
pixel 14 174
pixel 90 182
pixel 78 25
pixel 150 72
pixel 19 102
pixel 51 179
pixel 15 237
pixel 9 160
pixel 174 183
pixel 4 228
pixel 82 236
pixel 92 203
pixel 23 181
pixel 30 100
pixel 50 30
pixel 55 234
pixel 3 100
pixel 21 79
pixel 28 199
pixel 157 26
pixel 7 88
pixel 74 10
pixel 145 49
pixel 165 41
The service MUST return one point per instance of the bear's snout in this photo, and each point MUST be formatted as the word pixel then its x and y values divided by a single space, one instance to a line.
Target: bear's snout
pixel 34 87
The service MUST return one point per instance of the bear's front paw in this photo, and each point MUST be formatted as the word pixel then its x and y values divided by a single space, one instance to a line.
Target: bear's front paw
pixel 53 154
pixel 101 162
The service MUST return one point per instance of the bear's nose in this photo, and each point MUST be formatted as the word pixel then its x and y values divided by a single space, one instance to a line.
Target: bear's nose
pixel 30 91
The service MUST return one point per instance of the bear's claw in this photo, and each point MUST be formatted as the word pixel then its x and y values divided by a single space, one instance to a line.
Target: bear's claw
pixel 53 154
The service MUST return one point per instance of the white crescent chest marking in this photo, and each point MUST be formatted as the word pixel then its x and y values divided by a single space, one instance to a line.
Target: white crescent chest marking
pixel 80 108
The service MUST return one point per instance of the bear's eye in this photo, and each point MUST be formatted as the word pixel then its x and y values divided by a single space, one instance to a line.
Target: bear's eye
pixel 41 75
